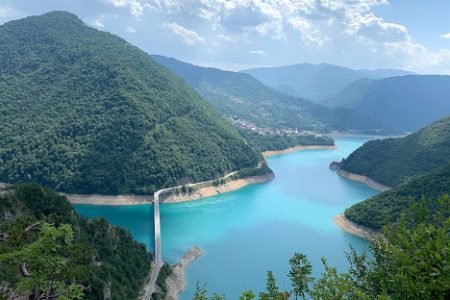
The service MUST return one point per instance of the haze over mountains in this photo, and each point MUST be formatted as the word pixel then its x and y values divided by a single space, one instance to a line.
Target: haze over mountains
pixel 241 96
pixel 83 111
pixel 316 81
pixel 406 103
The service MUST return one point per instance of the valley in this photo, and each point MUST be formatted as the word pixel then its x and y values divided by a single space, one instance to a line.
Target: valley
pixel 233 164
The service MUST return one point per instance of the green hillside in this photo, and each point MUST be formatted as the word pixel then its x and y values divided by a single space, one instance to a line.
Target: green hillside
pixel 84 111
pixel 266 142
pixel 241 96
pixel 315 81
pixel 88 255
pixel 386 208
pixel 404 103
pixel 390 161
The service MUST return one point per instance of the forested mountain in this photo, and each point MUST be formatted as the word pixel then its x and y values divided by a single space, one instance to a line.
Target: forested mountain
pixel 386 208
pixel 240 96
pixel 390 161
pixel 65 254
pixel 315 82
pixel 405 103
pixel 84 111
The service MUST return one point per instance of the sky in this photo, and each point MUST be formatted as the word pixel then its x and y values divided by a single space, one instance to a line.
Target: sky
pixel 237 34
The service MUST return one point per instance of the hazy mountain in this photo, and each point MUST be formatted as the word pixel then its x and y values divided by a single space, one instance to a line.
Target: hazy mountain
pixel 84 111
pixel 391 161
pixel 241 96
pixel 406 103
pixel 315 81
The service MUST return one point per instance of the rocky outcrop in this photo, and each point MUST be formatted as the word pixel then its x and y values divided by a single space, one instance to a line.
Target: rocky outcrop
pixel 176 283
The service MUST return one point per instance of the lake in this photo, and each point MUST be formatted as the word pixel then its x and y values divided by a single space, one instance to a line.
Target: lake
pixel 250 231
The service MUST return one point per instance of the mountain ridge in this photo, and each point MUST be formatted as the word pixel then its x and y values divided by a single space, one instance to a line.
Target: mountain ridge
pixel 86 112
pixel 316 81
pixel 406 103
pixel 241 96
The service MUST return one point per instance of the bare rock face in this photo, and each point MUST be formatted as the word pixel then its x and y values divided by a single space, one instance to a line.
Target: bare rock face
pixel 176 282
pixel 107 292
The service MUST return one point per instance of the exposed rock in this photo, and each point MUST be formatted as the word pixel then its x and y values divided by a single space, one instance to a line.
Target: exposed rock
pixel 176 282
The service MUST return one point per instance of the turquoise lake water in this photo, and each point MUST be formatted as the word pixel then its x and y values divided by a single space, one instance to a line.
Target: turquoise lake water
pixel 258 228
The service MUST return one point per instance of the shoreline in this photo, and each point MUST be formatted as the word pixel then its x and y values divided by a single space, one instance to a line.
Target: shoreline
pixel 111 200
pixel 176 282
pixel 297 148
pixel 359 178
pixel 355 229
pixel 211 190
pixel 203 192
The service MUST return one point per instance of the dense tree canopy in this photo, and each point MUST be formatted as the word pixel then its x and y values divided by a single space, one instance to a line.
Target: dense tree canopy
pixel 268 142
pixel 387 207
pixel 58 247
pixel 391 161
pixel 84 111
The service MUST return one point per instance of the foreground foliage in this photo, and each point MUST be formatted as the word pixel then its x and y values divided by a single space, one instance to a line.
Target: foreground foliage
pixel 45 265
pixel 411 261
pixel 65 254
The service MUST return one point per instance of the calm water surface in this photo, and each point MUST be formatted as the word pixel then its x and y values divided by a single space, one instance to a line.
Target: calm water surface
pixel 258 228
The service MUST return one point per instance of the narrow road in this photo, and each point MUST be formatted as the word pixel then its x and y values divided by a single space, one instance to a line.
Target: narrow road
pixel 150 287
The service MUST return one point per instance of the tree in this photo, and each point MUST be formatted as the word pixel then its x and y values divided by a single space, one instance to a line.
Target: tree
pixel 43 265
pixel 200 292
pixel 247 295
pixel 332 285
pixel 300 274
pixel 272 291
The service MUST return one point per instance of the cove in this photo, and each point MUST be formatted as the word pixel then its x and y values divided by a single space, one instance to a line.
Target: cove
pixel 250 231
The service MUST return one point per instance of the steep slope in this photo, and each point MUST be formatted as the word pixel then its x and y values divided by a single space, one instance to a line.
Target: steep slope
pixel 386 208
pixel 240 96
pixel 391 161
pixel 103 257
pixel 406 103
pixel 315 82
pixel 84 111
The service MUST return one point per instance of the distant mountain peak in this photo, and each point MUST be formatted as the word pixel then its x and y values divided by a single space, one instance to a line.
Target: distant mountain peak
pixel 315 81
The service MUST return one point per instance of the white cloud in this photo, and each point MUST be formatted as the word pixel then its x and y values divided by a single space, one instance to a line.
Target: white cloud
pixel 317 27
pixel 190 37
pixel 418 58
pixel 310 34
pixel 136 7
pixel 446 36
pixel 257 52
pixel 373 27
pixel 98 23
pixel 131 29
pixel 6 11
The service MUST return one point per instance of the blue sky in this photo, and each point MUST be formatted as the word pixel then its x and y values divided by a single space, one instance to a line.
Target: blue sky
pixel 235 34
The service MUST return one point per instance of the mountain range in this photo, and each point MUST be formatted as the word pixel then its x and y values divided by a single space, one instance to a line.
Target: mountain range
pixel 316 81
pixel 406 103
pixel 241 96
